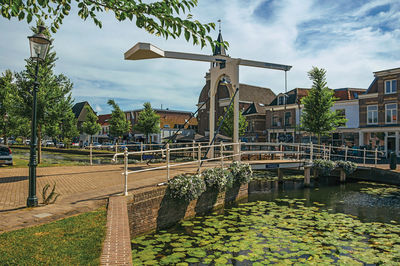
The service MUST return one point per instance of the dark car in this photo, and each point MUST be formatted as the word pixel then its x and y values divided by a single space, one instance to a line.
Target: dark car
pixel 5 155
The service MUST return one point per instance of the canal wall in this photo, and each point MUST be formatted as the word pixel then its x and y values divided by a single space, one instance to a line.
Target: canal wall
pixel 376 175
pixel 155 209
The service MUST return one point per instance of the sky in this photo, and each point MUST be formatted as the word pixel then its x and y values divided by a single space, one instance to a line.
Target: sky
pixel 350 39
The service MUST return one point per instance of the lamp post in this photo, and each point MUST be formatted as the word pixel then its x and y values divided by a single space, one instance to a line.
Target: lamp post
pixel 39 45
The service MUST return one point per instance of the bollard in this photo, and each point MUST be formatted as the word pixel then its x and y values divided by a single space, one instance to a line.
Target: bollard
pixel 167 161
pixel 91 154
pixel 126 170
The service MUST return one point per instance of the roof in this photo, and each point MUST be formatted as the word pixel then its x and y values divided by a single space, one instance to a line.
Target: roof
pixel 161 111
pixel 78 107
pixel 387 72
pixel 255 108
pixel 293 96
pixel 103 119
pixel 348 93
pixel 219 48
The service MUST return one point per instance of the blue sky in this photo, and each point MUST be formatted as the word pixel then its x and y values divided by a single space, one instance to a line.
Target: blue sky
pixel 350 39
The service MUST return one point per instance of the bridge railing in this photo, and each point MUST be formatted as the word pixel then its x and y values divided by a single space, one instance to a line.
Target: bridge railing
pixel 198 152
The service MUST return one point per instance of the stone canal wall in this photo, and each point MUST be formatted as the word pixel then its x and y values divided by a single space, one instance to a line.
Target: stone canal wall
pixel 376 175
pixel 154 209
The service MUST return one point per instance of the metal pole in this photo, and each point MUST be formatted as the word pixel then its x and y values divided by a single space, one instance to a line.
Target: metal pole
pixel 168 161
pixel 222 155
pixel 32 200
pixel 90 153
pixel 199 157
pixel 364 156
pixel 126 170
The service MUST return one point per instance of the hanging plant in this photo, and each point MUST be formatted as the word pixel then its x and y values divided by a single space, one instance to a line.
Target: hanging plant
pixel 186 187
pixel 241 172
pixel 217 178
pixel 325 166
pixel 347 166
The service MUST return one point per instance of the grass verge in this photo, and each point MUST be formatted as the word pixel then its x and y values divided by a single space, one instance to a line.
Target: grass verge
pixel 75 240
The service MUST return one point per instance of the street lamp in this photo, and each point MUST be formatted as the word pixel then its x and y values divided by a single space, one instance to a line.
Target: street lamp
pixel 39 45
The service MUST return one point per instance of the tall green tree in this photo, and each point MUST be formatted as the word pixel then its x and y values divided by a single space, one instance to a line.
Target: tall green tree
pixel 54 100
pixel 227 125
pixel 11 124
pixel 148 121
pixel 317 117
pixel 118 123
pixel 162 18
pixel 90 126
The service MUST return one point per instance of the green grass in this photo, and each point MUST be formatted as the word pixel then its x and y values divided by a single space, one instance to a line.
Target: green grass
pixel 72 241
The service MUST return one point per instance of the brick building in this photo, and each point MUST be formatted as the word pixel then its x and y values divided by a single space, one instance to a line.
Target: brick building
pixel 379 125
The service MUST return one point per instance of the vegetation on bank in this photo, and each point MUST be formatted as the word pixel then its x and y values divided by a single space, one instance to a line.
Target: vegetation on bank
pixel 75 240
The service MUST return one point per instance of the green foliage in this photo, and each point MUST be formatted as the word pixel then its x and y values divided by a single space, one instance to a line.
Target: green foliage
pixel 52 197
pixel 161 18
pixel 325 166
pixel 241 172
pixel 347 166
pixel 186 187
pixel 217 178
pixel 90 126
pixel 54 101
pixel 148 121
pixel 317 117
pixel 118 123
pixel 227 125
pixel 76 240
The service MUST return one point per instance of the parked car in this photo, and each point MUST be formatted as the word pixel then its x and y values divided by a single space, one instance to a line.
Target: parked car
pixel 75 144
pixel 5 155
pixel 60 145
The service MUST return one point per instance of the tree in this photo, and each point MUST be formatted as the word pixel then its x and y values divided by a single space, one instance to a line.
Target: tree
pixel 10 123
pixel 148 121
pixel 54 100
pixel 162 18
pixel 118 123
pixel 317 117
pixel 68 128
pixel 90 126
pixel 227 125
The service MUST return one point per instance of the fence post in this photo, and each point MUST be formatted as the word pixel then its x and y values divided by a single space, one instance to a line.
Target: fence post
pixel 141 152
pixel 329 151
pixel 364 156
pixel 376 156
pixel 240 151
pixel 298 151
pixel 281 151
pixel 199 157
pixel 168 161
pixel 90 153
pixel 324 152
pixel 193 149
pixel 126 170
pixel 116 147
pixel 345 153
pixel 222 155
pixel 311 151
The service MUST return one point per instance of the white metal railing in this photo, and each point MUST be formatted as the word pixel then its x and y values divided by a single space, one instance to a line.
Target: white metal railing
pixel 166 153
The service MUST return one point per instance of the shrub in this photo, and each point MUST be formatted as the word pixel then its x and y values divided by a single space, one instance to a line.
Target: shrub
pixel 241 172
pixel 186 187
pixel 325 166
pixel 217 178
pixel 347 166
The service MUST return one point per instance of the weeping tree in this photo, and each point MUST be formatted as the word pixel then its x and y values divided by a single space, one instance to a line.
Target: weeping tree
pixel 148 121
pixel 54 102
pixel 161 18
pixel 317 117
pixel 227 124
pixel 90 126
pixel 118 123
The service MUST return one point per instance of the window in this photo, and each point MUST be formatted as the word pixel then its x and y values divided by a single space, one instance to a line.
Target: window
pixel 281 100
pixel 288 118
pixel 274 121
pixel 391 113
pixel 390 86
pixel 372 114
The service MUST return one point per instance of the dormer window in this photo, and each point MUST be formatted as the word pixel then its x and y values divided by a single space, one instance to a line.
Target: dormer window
pixel 390 86
pixel 281 100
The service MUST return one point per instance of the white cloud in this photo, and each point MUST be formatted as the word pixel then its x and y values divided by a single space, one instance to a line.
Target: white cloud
pixel 298 33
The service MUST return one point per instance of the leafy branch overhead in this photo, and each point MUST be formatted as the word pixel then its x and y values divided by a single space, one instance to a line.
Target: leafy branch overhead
pixel 162 18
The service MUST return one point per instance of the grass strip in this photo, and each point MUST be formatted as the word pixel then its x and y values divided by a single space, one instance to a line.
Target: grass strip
pixel 75 240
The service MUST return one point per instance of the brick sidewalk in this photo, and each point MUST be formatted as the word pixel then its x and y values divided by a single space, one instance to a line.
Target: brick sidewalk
pixel 82 188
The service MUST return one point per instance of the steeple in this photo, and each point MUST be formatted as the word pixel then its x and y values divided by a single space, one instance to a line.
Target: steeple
pixel 219 49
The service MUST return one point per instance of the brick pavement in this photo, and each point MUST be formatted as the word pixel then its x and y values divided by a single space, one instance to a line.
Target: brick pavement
pixel 117 245
pixel 82 188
